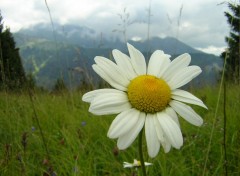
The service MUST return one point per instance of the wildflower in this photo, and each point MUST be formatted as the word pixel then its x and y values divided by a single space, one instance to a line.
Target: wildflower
pixel 24 140
pixel 33 128
pixel 83 123
pixel 115 151
pixel 145 95
pixel 75 169
pixel 19 157
pixel 45 161
pixel 135 163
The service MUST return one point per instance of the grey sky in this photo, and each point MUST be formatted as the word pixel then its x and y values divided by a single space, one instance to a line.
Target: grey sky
pixel 202 24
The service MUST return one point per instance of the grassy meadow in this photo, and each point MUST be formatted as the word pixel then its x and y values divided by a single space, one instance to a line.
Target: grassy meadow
pixel 76 142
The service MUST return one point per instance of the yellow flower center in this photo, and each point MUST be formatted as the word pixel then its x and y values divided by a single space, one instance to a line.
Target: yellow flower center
pixel 149 94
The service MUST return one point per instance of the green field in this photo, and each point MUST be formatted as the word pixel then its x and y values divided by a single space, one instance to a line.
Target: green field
pixel 76 142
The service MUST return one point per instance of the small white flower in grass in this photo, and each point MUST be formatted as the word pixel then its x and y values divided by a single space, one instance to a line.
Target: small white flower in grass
pixel 135 163
pixel 145 96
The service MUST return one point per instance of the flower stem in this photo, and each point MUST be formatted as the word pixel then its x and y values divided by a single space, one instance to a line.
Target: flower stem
pixel 141 153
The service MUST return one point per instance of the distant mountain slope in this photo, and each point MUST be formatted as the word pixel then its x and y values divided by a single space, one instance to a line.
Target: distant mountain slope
pixel 169 45
pixel 88 38
pixel 70 54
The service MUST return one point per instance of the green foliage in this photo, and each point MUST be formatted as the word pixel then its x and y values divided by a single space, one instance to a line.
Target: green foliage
pixel 59 86
pixel 78 144
pixel 12 74
pixel 31 82
pixel 232 55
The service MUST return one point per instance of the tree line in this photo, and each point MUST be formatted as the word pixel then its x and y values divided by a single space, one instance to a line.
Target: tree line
pixel 12 75
pixel 232 53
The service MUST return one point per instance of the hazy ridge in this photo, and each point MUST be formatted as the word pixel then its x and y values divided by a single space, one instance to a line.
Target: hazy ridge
pixel 70 49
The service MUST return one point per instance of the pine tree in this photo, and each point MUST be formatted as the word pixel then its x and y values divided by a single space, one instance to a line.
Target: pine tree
pixel 232 54
pixel 12 75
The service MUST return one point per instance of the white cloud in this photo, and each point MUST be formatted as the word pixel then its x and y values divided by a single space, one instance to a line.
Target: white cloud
pixel 202 22
pixel 213 50
pixel 136 38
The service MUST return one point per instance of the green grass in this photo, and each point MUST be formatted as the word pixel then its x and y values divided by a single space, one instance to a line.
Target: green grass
pixel 77 149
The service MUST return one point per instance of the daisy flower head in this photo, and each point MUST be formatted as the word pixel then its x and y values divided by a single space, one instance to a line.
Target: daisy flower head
pixel 145 96
pixel 135 163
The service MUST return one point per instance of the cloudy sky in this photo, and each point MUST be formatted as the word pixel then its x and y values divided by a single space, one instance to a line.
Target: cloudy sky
pixel 198 23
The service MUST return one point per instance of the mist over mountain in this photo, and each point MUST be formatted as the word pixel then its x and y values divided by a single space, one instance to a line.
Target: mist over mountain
pixel 68 51
pixel 88 38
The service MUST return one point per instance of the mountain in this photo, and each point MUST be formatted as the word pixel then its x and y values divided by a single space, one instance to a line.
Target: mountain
pixel 68 51
pixel 88 38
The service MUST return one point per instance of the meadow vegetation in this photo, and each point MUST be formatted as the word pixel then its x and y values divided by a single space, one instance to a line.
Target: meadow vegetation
pixel 76 142
pixel 52 134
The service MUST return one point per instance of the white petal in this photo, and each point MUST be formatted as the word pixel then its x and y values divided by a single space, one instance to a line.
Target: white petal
pixel 184 76
pixel 109 103
pixel 147 164
pixel 124 62
pixel 127 165
pixel 127 139
pixel 158 63
pixel 159 130
pixel 153 144
pixel 161 136
pixel 111 69
pixel 186 112
pixel 187 97
pixel 113 82
pixel 166 146
pixel 137 59
pixel 173 115
pixel 89 96
pixel 178 63
pixel 123 123
pixel 171 130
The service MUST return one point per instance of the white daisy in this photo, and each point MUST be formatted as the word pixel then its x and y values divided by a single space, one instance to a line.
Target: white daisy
pixel 145 95
pixel 135 163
